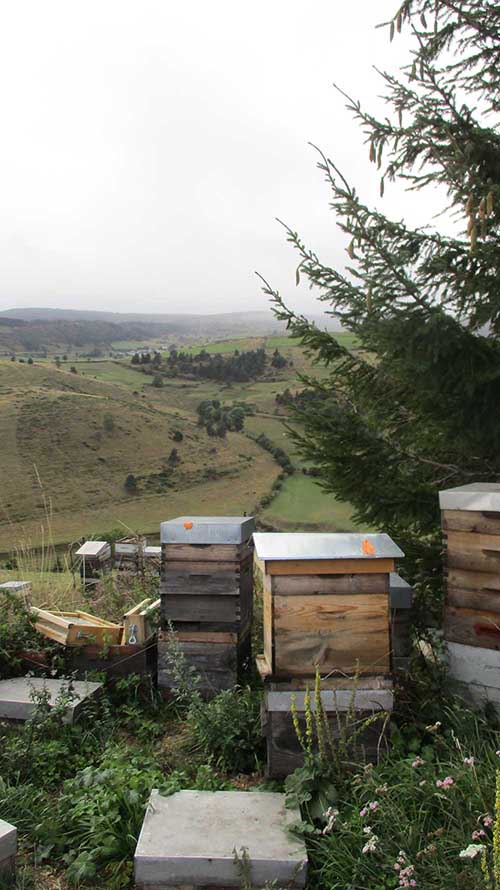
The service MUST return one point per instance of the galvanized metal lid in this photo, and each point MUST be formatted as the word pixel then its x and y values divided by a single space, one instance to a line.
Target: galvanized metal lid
pixel 474 496
pixel 207 530
pixel 298 545
pixel 400 592
pixel 93 548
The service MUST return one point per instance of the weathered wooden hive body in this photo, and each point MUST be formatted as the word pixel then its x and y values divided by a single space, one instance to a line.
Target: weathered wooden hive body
pixel 326 603
pixel 470 518
pixel 206 597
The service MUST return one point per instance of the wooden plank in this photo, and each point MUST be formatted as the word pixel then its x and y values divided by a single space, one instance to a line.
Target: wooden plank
pixel 335 700
pixel 207 637
pixel 209 656
pixel 236 553
pixel 284 753
pixel 471 521
pixel 470 580
pixel 473 560
pixel 220 583
pixel 488 601
pixel 329 566
pixel 200 608
pixel 268 629
pixel 329 683
pixel 263 667
pixel 331 632
pixel 293 585
pixel 204 567
pixel 471 541
pixel 472 627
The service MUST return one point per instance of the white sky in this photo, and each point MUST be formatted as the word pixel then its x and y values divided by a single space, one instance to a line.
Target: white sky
pixel 148 145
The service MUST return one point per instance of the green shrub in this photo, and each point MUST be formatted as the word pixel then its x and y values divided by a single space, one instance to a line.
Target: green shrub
pixel 227 728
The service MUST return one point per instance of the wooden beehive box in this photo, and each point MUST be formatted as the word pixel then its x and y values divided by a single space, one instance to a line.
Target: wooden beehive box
pixel 76 628
pixel 326 602
pixel 346 709
pixel 470 517
pixel 206 593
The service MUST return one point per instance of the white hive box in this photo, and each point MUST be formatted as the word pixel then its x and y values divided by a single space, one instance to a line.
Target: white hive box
pixel 189 840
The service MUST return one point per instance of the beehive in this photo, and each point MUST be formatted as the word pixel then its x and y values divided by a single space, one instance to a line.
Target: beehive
pixel 327 607
pixel 326 602
pixel 470 518
pixel 206 593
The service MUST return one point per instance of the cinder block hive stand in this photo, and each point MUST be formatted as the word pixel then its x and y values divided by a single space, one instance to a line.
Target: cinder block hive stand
pixel 8 850
pixel 470 519
pixel 207 595
pixel 188 841
pixel 326 605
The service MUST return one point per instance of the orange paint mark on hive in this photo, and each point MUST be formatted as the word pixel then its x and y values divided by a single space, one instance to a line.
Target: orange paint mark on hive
pixel 368 548
pixel 188 525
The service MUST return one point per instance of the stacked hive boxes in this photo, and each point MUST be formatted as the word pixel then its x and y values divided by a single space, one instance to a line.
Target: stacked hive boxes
pixel 326 606
pixel 206 596
pixel 470 517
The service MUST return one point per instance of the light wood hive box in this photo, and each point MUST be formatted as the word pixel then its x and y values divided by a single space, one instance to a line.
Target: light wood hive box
pixel 206 594
pixel 326 603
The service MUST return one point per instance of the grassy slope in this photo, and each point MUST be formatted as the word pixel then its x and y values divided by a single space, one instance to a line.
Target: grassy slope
pixel 56 450
pixel 57 453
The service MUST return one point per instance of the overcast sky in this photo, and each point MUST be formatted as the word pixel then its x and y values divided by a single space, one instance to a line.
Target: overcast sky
pixel 147 146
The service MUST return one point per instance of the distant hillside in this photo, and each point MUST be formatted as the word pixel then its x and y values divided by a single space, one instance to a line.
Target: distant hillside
pixel 23 335
pixel 218 324
pixel 69 442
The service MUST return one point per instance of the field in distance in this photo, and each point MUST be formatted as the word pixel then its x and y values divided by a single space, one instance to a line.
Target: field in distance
pixel 70 442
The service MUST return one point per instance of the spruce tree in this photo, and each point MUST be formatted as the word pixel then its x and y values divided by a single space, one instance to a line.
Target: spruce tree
pixel 414 407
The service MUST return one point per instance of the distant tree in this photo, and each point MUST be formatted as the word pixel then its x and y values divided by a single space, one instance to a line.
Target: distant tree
pixel 30 361
pixel 278 360
pixel 21 360
pixel 65 358
pixel 131 484
pixel 135 359
pixel 236 419
pixel 57 361
pixel 12 358
pixel 73 370
pixel 178 436
pixel 157 381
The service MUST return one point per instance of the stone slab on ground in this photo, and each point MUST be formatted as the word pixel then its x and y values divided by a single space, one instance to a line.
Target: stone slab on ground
pixel 15 586
pixel 189 840
pixel 16 695
pixel 8 848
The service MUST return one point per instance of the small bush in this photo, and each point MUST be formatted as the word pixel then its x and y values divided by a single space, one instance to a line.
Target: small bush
pixel 227 728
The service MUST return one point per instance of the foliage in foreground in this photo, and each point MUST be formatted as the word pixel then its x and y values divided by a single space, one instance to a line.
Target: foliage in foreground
pixel 424 817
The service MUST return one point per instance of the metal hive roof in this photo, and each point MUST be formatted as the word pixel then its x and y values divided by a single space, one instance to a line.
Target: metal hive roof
pixel 207 530
pixel 298 545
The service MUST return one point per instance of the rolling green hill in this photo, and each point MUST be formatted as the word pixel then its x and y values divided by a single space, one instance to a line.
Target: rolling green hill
pixel 70 440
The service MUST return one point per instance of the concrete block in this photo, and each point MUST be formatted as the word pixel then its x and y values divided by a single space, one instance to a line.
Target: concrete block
pixel 8 849
pixel 15 587
pixel 189 840
pixel 16 696
pixel 476 672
